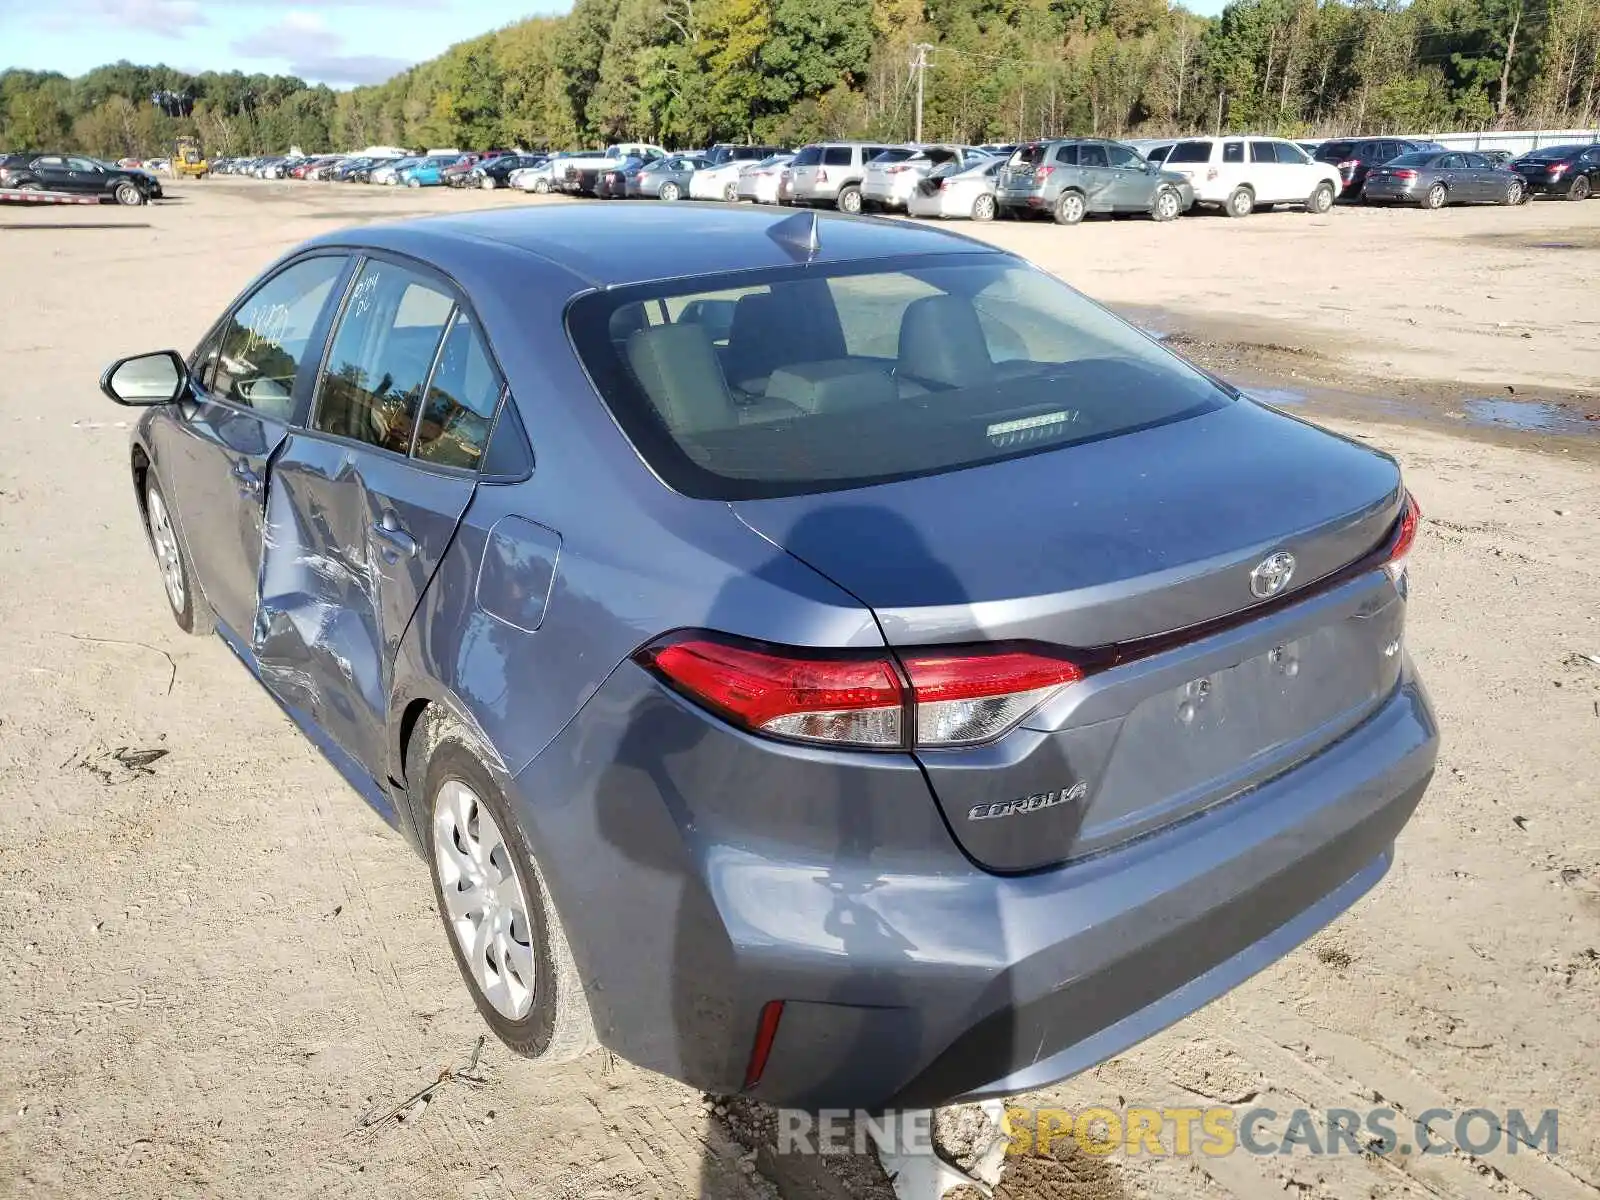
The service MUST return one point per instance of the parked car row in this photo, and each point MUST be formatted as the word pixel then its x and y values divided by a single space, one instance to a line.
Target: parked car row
pixel 1064 179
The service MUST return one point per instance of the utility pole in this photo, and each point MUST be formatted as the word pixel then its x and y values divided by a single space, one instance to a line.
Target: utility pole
pixel 919 66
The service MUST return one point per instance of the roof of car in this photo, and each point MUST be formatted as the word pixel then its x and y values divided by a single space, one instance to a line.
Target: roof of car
pixel 608 244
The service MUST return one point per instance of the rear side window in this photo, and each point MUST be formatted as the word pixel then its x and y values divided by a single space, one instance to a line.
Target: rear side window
pixel 834 376
pixel 1067 154
pixel 382 351
pixel 1475 161
pixel 1289 153
pixel 1335 152
pixel 836 156
pixel 1263 152
pixel 1452 161
pixel 808 156
pixel 1190 152
pixel 1092 154
pixel 1159 154
pixel 897 154
pixel 264 341
pixel 462 396
pixel 1233 152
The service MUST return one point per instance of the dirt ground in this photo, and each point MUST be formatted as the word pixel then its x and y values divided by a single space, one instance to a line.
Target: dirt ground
pixel 215 961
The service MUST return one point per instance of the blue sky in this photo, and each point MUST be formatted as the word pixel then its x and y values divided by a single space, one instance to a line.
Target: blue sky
pixel 338 42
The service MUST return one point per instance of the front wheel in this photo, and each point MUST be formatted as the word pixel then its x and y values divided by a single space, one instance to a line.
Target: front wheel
pixel 1069 209
pixel 983 208
pixel 1436 196
pixel 129 194
pixel 850 200
pixel 1167 206
pixel 414 182
pixel 189 610
pixel 670 192
pixel 1241 203
pixel 1321 200
pixel 1578 189
pixel 505 934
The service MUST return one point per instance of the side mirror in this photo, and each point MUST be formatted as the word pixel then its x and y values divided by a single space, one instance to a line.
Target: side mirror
pixel 146 379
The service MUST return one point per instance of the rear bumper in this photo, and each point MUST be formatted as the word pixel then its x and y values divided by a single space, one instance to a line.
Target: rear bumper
pixel 1374 190
pixel 701 873
pixel 1019 198
pixel 884 193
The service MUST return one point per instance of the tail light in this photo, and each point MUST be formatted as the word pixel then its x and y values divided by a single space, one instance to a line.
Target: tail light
pixel 1349 166
pixel 895 170
pixel 1405 173
pixel 943 183
pixel 1043 173
pixel 1405 536
pixel 1558 170
pixel 954 696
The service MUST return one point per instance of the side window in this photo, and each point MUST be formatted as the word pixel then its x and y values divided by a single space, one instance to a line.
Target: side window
pixel 1451 161
pixel 382 352
pixel 1263 152
pixel 1291 154
pixel 1122 156
pixel 1476 161
pixel 49 160
pixel 1067 154
pixel 1592 154
pixel 80 164
pixel 836 156
pixel 265 340
pixel 1091 154
pixel 1233 152
pixel 462 396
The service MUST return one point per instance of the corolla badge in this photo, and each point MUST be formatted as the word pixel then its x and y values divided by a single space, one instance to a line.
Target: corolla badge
pixel 1028 804
pixel 1272 574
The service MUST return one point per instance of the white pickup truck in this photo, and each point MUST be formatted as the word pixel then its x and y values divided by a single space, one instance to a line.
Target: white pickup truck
pixel 577 176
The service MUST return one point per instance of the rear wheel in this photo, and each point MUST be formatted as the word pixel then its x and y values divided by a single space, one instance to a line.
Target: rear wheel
pixel 1515 193
pixel 414 182
pixel 670 191
pixel 488 184
pixel 1241 203
pixel 505 934
pixel 1069 208
pixel 1578 189
pixel 983 208
pixel 850 200
pixel 1435 197
pixel 1321 200
pixel 30 186
pixel 128 193
pixel 541 186
pixel 1167 206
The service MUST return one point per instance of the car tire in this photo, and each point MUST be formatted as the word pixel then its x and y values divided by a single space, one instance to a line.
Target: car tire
pixel 849 200
pixel 466 827
pixel 670 192
pixel 414 182
pixel 1070 208
pixel 31 185
pixel 1578 189
pixel 128 193
pixel 1321 201
pixel 983 208
pixel 541 187
pixel 189 609
pixel 1241 202
pixel 488 183
pixel 1436 196
pixel 1515 194
pixel 1167 205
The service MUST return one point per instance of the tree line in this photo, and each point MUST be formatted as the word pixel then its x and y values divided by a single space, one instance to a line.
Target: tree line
pixel 692 72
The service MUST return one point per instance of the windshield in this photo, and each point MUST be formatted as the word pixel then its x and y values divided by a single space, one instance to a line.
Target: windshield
pixel 815 378
pixel 808 156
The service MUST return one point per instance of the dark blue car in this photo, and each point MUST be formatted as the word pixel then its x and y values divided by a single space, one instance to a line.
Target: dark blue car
pixel 817 657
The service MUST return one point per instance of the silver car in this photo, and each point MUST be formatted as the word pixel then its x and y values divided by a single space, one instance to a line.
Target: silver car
pixel 830 173
pixel 893 176
pixel 958 192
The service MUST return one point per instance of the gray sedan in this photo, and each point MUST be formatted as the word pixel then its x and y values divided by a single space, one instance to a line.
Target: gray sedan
pixel 666 178
pixel 1434 178
pixel 826 660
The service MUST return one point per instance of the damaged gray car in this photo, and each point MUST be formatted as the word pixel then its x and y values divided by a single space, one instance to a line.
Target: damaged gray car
pixel 820 658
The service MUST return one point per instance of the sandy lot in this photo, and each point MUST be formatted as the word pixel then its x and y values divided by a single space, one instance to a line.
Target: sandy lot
pixel 213 964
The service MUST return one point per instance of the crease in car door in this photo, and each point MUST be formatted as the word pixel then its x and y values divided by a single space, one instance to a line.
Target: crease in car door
pixel 1099 181
pixel 251 377
pixel 356 526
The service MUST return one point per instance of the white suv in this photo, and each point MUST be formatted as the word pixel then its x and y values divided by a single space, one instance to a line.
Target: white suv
pixel 1242 174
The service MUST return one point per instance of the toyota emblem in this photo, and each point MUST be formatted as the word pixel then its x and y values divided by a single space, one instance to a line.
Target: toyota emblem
pixel 1272 574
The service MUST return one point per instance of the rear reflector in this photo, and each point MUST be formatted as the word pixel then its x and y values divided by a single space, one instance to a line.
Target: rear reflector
pixel 946 696
pixel 1405 536
pixel 766 1031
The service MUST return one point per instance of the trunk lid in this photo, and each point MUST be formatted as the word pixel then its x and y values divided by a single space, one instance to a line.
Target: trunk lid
pixel 1114 544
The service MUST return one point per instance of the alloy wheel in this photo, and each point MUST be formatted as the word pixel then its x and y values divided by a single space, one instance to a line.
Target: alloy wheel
pixel 1579 189
pixel 669 191
pixel 983 208
pixel 486 906
pixel 165 540
pixel 1166 205
pixel 1436 195
pixel 1514 193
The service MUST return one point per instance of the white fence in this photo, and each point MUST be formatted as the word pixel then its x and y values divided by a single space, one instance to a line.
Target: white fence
pixel 1516 141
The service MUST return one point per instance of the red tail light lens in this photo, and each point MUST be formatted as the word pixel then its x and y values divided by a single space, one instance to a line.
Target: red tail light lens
pixel 1349 165
pixel 766 1032
pixel 1410 518
pixel 945 697
pixel 1558 170
pixel 1405 173
pixel 968 697
pixel 1044 173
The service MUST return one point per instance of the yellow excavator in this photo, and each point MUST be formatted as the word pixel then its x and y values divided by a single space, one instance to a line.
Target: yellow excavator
pixel 189 159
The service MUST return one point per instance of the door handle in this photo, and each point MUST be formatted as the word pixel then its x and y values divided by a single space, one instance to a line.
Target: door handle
pixel 396 541
pixel 249 482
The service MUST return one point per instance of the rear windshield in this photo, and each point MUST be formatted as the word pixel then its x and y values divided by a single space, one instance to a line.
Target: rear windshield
pixel 1554 152
pixel 808 156
pixel 1190 152
pixel 1417 158
pixel 814 378
pixel 1335 151
pixel 898 154
pixel 1030 156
